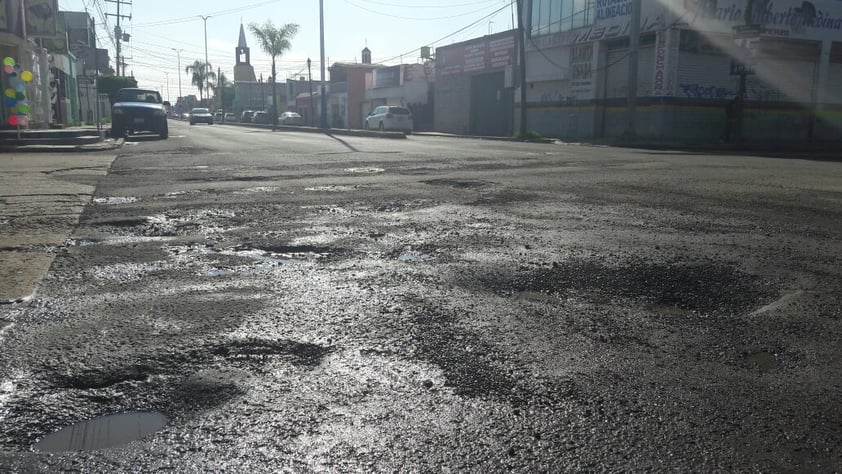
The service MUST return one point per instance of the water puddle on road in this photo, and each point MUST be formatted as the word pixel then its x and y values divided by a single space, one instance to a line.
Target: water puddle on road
pixel 104 432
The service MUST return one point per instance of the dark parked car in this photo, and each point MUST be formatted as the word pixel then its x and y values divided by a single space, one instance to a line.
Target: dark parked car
pixel 246 116
pixel 138 110
pixel 201 115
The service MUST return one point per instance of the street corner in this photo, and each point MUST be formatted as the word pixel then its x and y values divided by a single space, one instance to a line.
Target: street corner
pixel 20 273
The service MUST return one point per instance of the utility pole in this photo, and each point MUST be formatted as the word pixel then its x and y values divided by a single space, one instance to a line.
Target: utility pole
pixel 634 54
pixel 207 64
pixel 167 76
pixel 219 88
pixel 118 32
pixel 310 78
pixel 741 93
pixel 322 41
pixel 521 35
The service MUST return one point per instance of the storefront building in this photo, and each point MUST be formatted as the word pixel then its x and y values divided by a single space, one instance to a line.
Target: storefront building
pixel 690 63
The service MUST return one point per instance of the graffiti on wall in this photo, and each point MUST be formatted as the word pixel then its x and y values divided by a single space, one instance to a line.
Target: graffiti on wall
pixel 699 91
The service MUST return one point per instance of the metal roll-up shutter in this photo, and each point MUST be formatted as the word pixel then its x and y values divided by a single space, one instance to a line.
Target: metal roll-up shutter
pixel 646 71
pixel 704 76
pixel 783 80
pixel 786 71
pixel 833 87
pixel 617 73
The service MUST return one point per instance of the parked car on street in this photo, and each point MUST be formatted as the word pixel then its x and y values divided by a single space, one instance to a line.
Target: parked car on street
pixel 261 117
pixel 201 115
pixel 229 117
pixel 246 116
pixel 291 118
pixel 137 110
pixel 218 115
pixel 389 117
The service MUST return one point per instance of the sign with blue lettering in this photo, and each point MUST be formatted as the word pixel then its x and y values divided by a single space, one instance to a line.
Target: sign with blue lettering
pixel 607 9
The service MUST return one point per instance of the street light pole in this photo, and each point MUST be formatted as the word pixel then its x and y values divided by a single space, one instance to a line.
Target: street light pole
pixel 322 41
pixel 207 65
pixel 178 52
pixel 310 79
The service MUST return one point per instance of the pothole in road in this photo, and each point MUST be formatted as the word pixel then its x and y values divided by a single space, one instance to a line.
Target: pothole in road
pixel 412 256
pixel 103 432
pixel 762 361
pixel 365 170
pixel 115 200
pixel 257 350
pixel 459 183
pixel 332 188
pixel 267 258
pixel 674 289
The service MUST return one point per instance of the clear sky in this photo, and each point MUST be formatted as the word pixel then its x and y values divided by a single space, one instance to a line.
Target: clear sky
pixel 394 30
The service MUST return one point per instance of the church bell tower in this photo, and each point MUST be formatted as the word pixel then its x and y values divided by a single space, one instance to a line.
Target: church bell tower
pixel 243 70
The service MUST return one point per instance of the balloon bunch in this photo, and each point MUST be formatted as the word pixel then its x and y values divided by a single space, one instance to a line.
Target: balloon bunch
pixel 15 94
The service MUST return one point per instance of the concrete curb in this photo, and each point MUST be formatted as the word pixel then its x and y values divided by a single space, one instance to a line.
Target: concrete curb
pixel 105 145
pixel 330 131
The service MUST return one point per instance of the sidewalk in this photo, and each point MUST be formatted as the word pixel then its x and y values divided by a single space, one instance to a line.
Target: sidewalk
pixel 42 196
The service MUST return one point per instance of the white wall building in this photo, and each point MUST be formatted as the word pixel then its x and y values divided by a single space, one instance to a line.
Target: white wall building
pixel 689 60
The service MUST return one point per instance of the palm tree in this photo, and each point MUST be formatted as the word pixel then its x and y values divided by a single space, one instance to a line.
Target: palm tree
pixel 202 73
pixel 274 41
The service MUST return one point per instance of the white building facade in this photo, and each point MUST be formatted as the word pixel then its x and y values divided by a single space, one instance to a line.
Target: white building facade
pixel 689 66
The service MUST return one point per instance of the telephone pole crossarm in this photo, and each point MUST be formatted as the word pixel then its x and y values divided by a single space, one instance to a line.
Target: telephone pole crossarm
pixel 118 32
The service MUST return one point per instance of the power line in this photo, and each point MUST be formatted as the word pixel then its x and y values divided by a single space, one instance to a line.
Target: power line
pixel 439 6
pixel 454 33
pixel 349 2
pixel 196 17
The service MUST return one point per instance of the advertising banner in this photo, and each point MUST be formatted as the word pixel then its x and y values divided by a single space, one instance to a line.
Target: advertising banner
pixel 490 53
pixel 41 18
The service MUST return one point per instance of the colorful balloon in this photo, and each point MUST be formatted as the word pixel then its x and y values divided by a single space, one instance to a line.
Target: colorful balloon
pixel 11 101
pixel 26 76
pixel 10 92
pixel 8 69
pixel 23 108
pixel 8 62
pixel 13 119
pixel 23 120
pixel 20 96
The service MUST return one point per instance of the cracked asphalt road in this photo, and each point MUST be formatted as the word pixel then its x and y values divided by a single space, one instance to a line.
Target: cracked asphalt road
pixel 299 302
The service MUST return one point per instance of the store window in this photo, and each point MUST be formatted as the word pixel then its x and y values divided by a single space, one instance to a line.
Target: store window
pixel 555 16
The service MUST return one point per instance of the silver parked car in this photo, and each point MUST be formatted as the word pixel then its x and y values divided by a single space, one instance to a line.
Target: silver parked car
pixel 290 118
